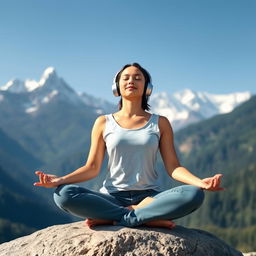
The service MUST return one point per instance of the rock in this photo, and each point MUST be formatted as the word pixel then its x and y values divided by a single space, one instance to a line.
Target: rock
pixel 76 239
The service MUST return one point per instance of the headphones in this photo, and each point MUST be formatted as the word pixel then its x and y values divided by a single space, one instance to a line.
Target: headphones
pixel 116 91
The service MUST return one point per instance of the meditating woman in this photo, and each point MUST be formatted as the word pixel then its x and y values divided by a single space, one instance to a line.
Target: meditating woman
pixel 130 195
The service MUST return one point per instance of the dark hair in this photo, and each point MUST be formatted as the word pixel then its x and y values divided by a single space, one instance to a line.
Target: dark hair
pixel 144 103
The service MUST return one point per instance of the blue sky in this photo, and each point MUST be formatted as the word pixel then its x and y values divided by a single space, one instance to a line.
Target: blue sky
pixel 204 45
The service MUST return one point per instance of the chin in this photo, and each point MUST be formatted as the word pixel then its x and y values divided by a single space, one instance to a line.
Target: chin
pixel 130 97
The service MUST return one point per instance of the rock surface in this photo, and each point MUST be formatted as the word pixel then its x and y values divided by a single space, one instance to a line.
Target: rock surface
pixel 75 239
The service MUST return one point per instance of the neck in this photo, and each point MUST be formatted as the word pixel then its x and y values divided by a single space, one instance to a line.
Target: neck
pixel 131 107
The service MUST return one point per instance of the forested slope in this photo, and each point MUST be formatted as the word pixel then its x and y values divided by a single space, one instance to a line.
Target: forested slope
pixel 225 144
pixel 22 208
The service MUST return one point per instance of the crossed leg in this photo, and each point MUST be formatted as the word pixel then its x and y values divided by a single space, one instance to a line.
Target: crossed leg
pixel 154 223
pixel 156 211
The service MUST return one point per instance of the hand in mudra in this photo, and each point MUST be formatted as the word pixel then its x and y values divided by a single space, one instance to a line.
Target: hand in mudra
pixel 47 180
pixel 213 183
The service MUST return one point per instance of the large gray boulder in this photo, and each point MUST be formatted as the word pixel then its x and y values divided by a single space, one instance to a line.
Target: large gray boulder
pixel 75 239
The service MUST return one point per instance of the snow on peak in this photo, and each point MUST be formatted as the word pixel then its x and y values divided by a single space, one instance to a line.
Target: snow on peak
pixel 185 96
pixel 18 86
pixel 50 87
pixel 226 102
pixel 49 72
pixel 31 85
pixel 188 106
pixel 15 86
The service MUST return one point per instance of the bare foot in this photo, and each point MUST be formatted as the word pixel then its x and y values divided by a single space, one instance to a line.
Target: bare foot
pixel 95 222
pixel 143 203
pixel 154 223
pixel 161 224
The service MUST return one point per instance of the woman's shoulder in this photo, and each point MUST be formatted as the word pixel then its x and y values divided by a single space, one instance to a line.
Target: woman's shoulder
pixel 162 119
pixel 101 118
pixel 100 121
pixel 164 123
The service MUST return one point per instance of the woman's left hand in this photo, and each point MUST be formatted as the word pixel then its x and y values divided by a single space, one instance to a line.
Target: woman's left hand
pixel 213 183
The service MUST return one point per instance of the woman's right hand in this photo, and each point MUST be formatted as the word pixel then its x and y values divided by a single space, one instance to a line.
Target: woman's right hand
pixel 47 180
pixel 213 183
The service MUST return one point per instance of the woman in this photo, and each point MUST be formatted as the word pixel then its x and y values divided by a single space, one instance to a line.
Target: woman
pixel 132 136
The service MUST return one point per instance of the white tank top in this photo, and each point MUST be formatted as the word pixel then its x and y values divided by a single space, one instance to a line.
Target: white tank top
pixel 132 156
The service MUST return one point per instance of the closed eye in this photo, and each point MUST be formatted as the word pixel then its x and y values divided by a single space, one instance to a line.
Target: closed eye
pixel 125 78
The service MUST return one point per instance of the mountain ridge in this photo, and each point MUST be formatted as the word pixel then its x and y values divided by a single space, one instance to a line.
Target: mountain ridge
pixel 186 107
pixel 181 108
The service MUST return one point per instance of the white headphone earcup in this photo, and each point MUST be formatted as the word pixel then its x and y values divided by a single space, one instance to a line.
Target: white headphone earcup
pixel 115 90
pixel 149 89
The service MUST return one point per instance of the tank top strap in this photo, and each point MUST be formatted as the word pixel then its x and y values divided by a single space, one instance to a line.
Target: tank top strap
pixel 108 118
pixel 110 121
pixel 155 118
pixel 154 124
pixel 110 125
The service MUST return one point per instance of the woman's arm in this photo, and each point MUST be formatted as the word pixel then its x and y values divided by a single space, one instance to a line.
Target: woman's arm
pixel 92 167
pixel 172 164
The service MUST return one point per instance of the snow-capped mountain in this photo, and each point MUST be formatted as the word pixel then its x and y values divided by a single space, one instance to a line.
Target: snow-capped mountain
pixel 185 107
pixel 181 108
pixel 47 117
pixel 18 86
pixel 41 92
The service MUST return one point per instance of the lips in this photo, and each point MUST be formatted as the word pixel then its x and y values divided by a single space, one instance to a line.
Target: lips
pixel 130 87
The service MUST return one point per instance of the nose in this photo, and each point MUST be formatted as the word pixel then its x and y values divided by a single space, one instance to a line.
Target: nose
pixel 131 80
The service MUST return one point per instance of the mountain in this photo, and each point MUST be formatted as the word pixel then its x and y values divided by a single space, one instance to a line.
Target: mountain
pixel 18 194
pixel 41 115
pixel 49 88
pixel 52 122
pixel 102 106
pixel 17 167
pixel 22 212
pixel 225 144
pixel 186 107
pixel 38 94
pixel 181 108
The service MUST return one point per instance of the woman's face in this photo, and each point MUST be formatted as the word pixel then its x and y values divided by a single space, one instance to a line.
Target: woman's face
pixel 131 82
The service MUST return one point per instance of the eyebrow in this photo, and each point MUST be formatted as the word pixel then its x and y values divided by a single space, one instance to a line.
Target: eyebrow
pixel 129 74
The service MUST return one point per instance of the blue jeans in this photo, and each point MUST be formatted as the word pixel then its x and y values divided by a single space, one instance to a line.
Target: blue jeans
pixel 169 205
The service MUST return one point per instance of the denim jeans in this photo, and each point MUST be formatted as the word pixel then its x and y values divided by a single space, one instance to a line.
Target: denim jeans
pixel 169 205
